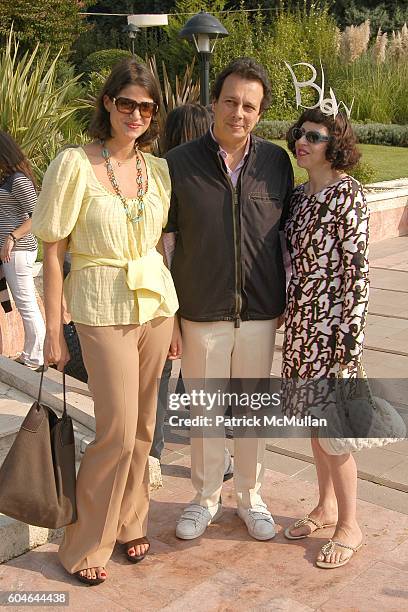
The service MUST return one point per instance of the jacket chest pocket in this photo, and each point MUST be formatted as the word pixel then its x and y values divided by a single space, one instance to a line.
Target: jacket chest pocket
pixel 264 213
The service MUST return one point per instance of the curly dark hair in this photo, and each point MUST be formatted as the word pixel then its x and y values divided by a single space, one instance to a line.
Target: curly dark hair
pixel 127 72
pixel 341 149
pixel 249 69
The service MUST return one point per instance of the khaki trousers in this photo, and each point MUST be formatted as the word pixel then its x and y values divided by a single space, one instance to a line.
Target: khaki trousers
pixel 220 350
pixel 124 363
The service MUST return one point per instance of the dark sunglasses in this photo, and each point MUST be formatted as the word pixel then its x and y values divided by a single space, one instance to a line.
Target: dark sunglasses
pixel 128 106
pixel 311 136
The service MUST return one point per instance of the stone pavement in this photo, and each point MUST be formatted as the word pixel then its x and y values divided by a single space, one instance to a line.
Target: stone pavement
pixel 226 570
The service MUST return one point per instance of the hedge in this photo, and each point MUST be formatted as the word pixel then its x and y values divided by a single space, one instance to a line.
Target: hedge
pixel 370 133
pixel 105 59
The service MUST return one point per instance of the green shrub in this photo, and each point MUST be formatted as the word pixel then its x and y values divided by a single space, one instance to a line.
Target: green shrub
pixel 96 81
pixel 104 60
pixel 371 133
pixel 378 133
pixel 363 172
pixel 273 130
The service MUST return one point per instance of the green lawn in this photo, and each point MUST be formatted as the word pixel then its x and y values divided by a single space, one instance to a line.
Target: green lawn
pixel 388 162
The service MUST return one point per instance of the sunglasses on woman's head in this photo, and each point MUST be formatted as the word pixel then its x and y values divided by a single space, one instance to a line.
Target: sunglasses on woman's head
pixel 128 106
pixel 311 136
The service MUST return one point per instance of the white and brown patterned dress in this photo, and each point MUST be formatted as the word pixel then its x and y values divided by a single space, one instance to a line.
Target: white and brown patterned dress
pixel 327 238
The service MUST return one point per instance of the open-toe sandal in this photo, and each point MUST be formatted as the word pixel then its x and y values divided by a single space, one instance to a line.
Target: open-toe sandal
pixel 330 547
pixel 133 544
pixel 300 523
pixel 88 581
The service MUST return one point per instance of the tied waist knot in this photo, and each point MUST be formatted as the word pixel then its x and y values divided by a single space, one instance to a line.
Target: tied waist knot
pixel 146 276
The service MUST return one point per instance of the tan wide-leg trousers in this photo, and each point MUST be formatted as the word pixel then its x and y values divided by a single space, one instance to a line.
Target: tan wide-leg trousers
pixel 124 363
pixel 220 350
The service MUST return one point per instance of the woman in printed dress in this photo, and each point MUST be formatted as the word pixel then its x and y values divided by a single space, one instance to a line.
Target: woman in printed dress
pixel 327 238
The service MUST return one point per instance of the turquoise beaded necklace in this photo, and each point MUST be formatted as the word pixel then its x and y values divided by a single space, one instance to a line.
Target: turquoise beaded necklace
pixel 139 180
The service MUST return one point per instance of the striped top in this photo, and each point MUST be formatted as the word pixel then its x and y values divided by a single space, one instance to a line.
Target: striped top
pixel 17 201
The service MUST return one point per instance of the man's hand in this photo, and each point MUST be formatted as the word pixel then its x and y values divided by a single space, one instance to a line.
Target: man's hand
pixel 176 344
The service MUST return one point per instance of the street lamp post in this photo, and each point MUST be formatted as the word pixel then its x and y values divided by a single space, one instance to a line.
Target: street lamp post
pixel 131 31
pixel 201 29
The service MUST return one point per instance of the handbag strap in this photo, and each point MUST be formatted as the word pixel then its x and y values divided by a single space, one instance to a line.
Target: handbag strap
pixel 64 412
pixel 361 375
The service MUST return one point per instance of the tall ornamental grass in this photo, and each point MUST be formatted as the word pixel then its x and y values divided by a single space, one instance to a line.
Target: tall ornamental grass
pixel 377 78
pixel 35 107
pixel 379 89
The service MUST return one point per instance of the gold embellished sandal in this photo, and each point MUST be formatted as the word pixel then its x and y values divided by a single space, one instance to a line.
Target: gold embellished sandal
pixel 330 547
pixel 300 523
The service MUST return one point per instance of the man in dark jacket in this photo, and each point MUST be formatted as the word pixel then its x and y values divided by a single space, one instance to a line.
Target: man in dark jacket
pixel 230 192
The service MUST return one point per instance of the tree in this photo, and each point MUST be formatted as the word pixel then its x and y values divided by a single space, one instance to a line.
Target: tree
pixel 107 30
pixel 52 23
pixel 389 15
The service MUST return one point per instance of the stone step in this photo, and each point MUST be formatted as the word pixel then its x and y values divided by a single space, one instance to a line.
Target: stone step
pixel 17 538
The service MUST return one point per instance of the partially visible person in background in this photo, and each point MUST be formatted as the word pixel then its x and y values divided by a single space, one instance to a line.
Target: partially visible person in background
pixel 183 123
pixel 18 246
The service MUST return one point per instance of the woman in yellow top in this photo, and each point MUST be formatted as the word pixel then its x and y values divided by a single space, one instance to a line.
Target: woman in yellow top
pixel 107 203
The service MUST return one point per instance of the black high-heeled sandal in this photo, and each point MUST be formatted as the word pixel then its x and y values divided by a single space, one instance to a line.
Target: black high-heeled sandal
pixel 133 544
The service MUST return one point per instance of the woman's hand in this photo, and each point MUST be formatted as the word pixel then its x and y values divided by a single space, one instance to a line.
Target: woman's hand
pixel 56 350
pixel 280 321
pixel 6 249
pixel 176 344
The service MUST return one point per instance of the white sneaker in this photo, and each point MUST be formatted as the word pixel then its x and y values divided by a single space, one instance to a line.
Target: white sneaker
pixel 259 522
pixel 195 520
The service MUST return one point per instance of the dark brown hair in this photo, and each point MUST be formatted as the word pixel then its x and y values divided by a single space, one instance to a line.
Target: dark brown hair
pixel 341 150
pixel 127 72
pixel 12 158
pixel 249 69
pixel 185 123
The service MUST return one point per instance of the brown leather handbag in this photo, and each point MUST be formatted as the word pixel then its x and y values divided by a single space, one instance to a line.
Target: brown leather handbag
pixel 37 478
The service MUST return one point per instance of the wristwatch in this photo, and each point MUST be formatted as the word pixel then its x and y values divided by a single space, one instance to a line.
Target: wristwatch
pixel 12 236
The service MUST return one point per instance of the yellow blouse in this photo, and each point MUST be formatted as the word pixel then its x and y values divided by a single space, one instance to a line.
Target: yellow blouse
pixel 117 277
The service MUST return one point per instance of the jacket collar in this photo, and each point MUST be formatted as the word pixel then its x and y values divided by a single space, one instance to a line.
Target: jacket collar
pixel 212 144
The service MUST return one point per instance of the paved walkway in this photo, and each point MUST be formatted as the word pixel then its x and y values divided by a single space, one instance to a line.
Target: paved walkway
pixel 385 357
pixel 226 570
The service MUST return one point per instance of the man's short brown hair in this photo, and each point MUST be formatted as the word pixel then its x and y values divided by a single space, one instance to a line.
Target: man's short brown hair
pixel 249 69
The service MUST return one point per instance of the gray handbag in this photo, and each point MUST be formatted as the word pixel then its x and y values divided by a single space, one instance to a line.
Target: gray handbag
pixel 360 421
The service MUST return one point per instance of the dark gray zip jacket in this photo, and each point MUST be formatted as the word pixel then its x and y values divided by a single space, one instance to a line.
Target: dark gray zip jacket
pixel 228 262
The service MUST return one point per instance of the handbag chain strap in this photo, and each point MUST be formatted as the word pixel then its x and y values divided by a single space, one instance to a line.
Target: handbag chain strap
pixel 361 374
pixel 64 412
